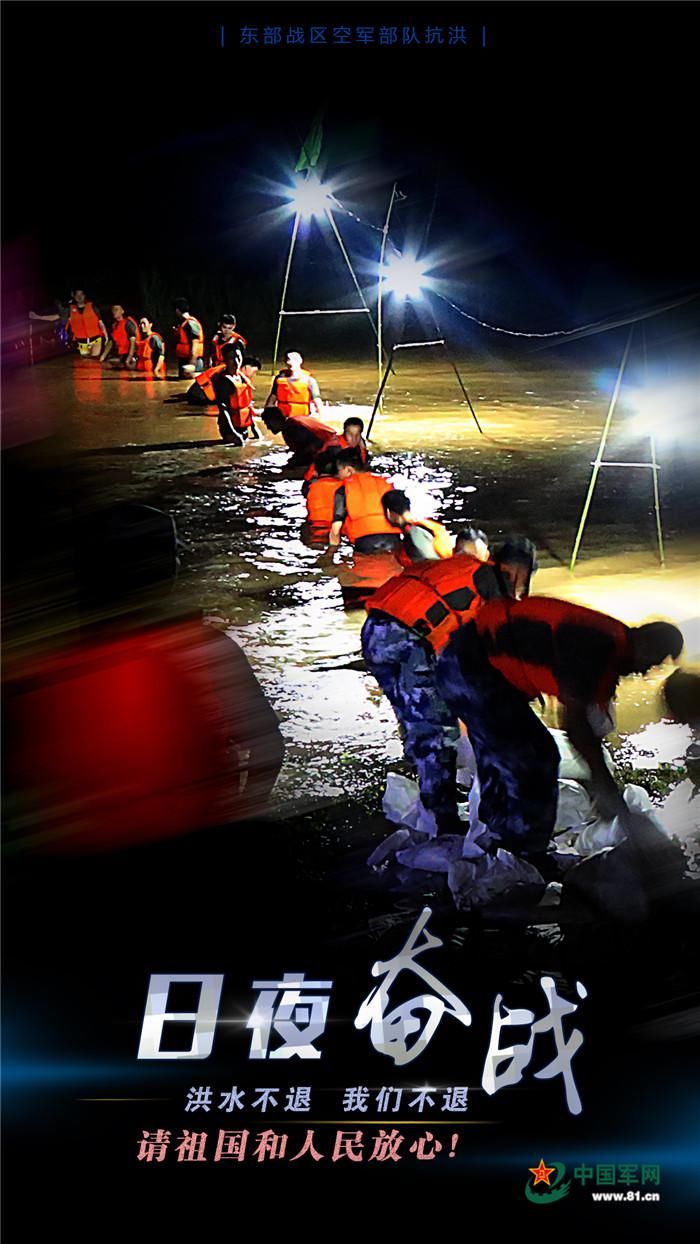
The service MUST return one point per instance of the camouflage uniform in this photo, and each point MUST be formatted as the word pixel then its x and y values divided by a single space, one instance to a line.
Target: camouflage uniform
pixel 404 667
pixel 517 760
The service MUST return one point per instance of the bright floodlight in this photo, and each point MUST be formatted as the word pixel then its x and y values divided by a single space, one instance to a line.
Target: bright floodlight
pixel 404 276
pixel 669 412
pixel 309 197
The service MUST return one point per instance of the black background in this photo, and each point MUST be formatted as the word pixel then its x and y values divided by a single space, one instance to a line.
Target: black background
pixel 562 156
pixel 555 166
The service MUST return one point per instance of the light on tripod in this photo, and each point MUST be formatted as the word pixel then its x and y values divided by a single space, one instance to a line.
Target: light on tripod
pixel 666 412
pixel 404 277
pixel 309 197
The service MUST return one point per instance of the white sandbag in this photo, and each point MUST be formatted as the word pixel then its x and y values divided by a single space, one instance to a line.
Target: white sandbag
pixel 637 800
pixel 551 896
pixel 598 833
pixel 402 804
pixel 435 856
pixel 476 829
pixel 680 811
pixel 388 846
pixel 573 804
pixel 478 881
pixel 572 766
pixel 466 761
pixel 573 809
pixel 400 798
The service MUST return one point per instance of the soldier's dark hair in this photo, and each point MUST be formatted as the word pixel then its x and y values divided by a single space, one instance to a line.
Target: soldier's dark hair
pixel 517 549
pixel 326 463
pixel 396 501
pixel 273 418
pixel 663 637
pixel 470 535
pixel 681 691
pixel 350 457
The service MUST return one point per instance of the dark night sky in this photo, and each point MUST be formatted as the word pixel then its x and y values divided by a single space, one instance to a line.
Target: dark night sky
pixel 562 154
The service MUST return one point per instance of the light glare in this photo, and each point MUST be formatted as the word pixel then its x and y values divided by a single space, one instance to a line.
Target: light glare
pixel 404 277
pixel 668 412
pixel 309 197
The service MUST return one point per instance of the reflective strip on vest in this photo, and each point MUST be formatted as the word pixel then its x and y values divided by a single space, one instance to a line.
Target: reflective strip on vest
pixel 432 598
pixel 365 512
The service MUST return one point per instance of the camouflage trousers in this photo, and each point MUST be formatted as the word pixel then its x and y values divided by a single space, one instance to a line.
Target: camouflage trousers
pixel 404 667
pixel 517 760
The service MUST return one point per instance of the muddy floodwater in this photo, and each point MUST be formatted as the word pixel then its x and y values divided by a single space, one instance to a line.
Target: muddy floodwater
pixel 239 515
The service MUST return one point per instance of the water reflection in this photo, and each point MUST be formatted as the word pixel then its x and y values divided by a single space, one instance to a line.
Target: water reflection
pixel 247 566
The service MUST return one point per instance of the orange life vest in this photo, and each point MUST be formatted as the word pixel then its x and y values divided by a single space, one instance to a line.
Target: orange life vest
pixel 310 471
pixel 433 598
pixel 319 499
pixel 293 397
pixel 144 351
pixel 441 540
pixel 520 640
pixel 218 345
pixel 343 442
pixel 84 324
pixel 184 347
pixel 240 401
pixel 119 335
pixel 365 512
pixel 325 434
pixel 205 378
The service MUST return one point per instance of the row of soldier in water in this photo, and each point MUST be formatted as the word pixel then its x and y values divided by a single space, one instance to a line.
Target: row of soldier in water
pixel 455 636
pixel 135 343
pixel 227 383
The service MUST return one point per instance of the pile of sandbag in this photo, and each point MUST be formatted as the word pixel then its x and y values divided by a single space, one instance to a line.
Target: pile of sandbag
pixel 476 877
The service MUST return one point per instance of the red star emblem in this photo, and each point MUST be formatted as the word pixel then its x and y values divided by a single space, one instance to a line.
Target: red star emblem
pixel 541 1173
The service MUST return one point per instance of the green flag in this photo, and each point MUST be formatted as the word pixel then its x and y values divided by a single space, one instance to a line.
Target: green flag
pixel 311 149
